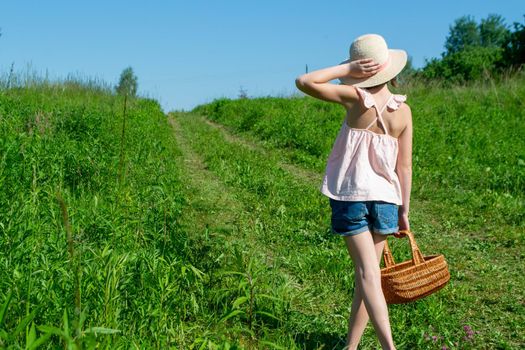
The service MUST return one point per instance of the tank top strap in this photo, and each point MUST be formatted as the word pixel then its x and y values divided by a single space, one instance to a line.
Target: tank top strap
pixel 379 115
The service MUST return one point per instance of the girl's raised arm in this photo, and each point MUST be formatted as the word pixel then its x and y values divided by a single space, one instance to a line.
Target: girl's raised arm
pixel 316 84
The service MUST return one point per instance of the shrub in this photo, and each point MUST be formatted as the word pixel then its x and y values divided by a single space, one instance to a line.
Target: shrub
pixel 468 64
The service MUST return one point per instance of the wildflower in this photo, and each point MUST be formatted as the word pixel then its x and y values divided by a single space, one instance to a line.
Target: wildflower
pixel 444 348
pixel 434 338
pixel 469 331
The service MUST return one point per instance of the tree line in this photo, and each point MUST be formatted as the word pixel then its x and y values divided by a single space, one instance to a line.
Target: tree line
pixel 476 50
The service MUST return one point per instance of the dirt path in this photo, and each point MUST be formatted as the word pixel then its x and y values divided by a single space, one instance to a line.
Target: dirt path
pixel 211 207
pixel 310 177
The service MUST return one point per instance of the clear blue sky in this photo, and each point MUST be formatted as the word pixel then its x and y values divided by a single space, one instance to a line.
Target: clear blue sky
pixel 189 52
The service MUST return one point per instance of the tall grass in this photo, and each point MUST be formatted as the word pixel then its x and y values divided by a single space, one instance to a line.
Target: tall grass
pixel 307 274
pixel 468 140
pixel 468 204
pixel 103 258
pixel 155 261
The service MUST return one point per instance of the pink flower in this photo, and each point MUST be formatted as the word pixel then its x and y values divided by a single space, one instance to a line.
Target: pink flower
pixel 469 331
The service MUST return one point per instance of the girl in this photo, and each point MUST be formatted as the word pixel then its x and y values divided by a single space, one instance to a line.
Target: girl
pixel 369 171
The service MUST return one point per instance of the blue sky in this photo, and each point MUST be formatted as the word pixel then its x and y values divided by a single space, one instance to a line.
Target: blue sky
pixel 189 52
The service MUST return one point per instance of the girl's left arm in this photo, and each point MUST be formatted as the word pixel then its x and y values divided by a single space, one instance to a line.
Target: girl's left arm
pixel 404 169
pixel 316 84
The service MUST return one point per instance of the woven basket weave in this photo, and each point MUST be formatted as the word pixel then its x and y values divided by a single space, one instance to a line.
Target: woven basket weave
pixel 412 279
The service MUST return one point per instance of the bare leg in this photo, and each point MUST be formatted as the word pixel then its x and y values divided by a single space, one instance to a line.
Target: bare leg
pixel 358 315
pixel 365 250
pixel 358 320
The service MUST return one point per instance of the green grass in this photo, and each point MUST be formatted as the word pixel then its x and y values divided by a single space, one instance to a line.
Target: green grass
pixel 467 196
pixel 192 236
pixel 62 140
pixel 290 239
pixel 468 141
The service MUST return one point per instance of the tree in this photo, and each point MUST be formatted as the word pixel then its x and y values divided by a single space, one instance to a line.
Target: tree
pixel 127 85
pixel 469 64
pixel 463 33
pixel 493 31
pixel 474 51
pixel 514 47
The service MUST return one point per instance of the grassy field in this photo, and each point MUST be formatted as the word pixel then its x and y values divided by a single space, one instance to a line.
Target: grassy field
pixel 110 279
pixel 468 201
pixel 206 230
pixel 468 144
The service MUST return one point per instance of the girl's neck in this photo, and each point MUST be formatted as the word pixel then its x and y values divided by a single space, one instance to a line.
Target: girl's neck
pixel 381 94
pixel 380 90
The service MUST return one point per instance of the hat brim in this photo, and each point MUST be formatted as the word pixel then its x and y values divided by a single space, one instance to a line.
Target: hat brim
pixel 398 60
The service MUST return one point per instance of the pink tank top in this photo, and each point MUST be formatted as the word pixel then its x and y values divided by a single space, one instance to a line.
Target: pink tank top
pixel 361 166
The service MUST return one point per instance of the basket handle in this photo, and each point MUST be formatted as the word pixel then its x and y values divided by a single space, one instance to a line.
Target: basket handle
pixel 417 256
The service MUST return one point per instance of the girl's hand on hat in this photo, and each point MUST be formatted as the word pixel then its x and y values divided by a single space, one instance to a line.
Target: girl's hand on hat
pixel 363 68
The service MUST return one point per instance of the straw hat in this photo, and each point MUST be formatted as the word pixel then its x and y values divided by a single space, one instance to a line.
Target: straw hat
pixel 374 46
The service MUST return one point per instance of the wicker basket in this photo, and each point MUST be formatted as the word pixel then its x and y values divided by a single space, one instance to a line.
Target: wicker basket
pixel 412 279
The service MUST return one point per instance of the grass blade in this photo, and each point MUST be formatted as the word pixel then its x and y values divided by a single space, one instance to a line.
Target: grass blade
pixel 101 330
pixel 40 341
pixel 231 314
pixel 23 324
pixel 239 301
pixel 268 314
pixel 5 305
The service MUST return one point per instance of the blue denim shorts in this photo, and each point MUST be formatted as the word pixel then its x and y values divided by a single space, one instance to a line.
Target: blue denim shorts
pixel 351 218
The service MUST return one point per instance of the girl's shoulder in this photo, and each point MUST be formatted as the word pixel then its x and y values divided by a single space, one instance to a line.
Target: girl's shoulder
pixel 398 102
pixel 405 108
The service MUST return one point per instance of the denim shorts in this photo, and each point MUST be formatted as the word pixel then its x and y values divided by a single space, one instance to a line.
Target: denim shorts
pixel 351 218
